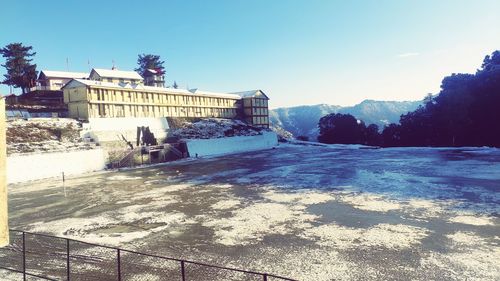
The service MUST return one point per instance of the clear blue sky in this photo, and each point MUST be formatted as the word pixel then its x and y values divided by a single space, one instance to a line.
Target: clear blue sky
pixel 298 52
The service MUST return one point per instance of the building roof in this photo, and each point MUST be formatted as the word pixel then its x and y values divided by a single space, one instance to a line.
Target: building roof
pixel 251 94
pixel 206 93
pixel 114 73
pixel 150 70
pixel 63 74
pixel 139 87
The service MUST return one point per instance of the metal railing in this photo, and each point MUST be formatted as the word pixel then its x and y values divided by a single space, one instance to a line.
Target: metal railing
pixel 46 88
pixel 126 157
pixel 84 260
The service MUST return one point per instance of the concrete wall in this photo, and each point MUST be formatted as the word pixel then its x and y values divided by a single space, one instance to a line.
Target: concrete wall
pixel 4 227
pixel 111 129
pixel 230 145
pixel 26 167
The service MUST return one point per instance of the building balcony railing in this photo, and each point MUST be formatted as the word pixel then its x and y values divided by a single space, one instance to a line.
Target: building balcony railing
pixel 45 88
pixel 155 78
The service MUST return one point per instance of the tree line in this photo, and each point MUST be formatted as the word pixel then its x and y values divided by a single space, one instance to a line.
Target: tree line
pixel 22 73
pixel 466 112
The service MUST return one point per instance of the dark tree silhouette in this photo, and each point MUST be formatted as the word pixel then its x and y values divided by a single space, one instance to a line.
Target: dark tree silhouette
pixel 149 61
pixel 391 136
pixel 21 73
pixel 466 112
pixel 372 136
pixel 491 62
pixel 341 128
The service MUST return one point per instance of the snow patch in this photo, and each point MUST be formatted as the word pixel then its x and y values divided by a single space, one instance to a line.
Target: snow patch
pixel 116 227
pixel 122 178
pixel 250 224
pixel 471 258
pixel 385 235
pixel 472 220
pixel 426 208
pixel 216 128
pixel 44 135
pixel 370 202
pixel 226 204
pixel 465 238
pixel 306 198
pixel 146 276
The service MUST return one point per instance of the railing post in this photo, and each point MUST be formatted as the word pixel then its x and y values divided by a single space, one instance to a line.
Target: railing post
pixel 119 264
pixel 183 271
pixel 24 256
pixel 67 260
pixel 265 276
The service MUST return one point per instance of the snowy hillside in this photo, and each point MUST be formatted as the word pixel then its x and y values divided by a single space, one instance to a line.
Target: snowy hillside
pixel 303 120
pixel 215 128
pixel 44 135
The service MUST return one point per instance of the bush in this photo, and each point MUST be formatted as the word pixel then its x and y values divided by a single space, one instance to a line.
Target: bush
pixel 303 138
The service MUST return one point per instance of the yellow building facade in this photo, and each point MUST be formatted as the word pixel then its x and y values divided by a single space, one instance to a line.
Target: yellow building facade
pixel 115 76
pixel 98 99
pixel 255 108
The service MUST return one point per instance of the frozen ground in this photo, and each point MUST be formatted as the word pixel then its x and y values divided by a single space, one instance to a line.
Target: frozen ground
pixel 210 128
pixel 306 212
pixel 44 135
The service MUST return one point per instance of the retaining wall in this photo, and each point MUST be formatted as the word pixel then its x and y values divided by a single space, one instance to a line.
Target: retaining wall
pixel 111 129
pixel 28 167
pixel 230 145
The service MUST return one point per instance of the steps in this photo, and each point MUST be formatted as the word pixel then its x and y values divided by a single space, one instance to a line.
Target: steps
pixel 128 156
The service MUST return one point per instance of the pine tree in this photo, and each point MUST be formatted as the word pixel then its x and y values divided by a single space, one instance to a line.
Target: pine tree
pixel 175 86
pixel 20 72
pixel 149 61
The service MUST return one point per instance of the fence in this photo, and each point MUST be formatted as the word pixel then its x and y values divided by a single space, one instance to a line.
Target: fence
pixel 55 258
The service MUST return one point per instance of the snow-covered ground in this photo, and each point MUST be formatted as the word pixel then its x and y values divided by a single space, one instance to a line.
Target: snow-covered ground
pixel 210 128
pixel 44 135
pixel 306 212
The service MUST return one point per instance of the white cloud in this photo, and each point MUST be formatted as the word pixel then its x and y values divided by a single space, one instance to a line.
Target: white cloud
pixel 406 55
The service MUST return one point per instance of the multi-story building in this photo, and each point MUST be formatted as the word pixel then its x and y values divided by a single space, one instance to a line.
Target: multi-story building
pixel 54 80
pixel 48 87
pixel 102 99
pixel 115 76
pixel 255 107
pixel 155 78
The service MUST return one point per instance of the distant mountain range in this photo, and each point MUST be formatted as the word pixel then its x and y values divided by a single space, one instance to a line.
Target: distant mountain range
pixel 303 120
